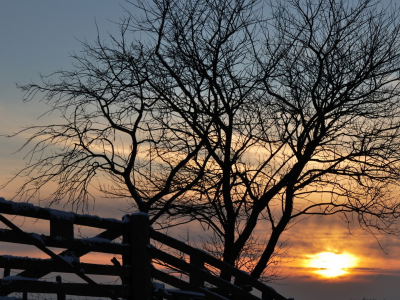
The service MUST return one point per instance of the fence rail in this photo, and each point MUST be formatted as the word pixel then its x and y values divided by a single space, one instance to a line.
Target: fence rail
pixel 49 265
pixel 136 271
pixel 30 210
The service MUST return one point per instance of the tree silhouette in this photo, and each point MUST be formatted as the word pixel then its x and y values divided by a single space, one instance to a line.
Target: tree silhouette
pixel 228 113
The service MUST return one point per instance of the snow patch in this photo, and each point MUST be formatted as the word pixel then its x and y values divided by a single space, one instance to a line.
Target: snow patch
pixel 96 239
pixel 186 293
pixel 59 214
pixel 12 278
pixel 272 288
pixel 36 236
pixel 8 257
pixel 158 286
pixel 69 258
pixel 140 214
pixel 22 206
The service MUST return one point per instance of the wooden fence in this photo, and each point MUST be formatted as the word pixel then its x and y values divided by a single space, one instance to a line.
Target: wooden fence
pixel 138 275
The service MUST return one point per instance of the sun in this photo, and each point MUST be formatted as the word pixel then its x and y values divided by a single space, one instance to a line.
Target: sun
pixel 330 264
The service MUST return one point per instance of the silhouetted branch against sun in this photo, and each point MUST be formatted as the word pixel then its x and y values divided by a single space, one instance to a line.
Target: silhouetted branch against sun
pixel 229 113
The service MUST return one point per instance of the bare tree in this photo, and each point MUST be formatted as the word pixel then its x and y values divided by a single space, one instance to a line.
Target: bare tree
pixel 233 117
pixel 108 128
pixel 305 115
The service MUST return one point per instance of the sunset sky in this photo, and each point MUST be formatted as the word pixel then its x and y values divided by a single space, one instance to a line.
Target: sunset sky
pixel 38 36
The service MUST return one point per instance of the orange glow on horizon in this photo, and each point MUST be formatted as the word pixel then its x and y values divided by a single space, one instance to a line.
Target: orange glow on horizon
pixel 331 265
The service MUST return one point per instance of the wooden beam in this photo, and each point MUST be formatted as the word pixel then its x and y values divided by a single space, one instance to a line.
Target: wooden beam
pixel 140 257
pixel 49 265
pixel 60 296
pixel 126 259
pixel 88 245
pixel 30 210
pixel 61 228
pixel 199 263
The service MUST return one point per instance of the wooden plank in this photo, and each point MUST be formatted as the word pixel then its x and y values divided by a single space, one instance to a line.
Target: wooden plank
pixel 62 228
pixel 183 285
pixel 243 277
pixel 88 245
pixel 60 296
pixel 30 210
pixel 181 264
pixel 49 265
pixel 104 223
pixel 126 239
pixel 266 297
pixel 126 259
pixel 199 263
pixel 79 289
pixel 140 257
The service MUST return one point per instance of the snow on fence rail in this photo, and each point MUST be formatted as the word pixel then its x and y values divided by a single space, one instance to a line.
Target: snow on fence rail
pixel 136 271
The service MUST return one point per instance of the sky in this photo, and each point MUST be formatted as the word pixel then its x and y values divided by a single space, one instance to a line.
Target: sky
pixel 38 37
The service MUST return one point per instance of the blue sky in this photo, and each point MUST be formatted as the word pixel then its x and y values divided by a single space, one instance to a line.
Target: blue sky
pixel 37 37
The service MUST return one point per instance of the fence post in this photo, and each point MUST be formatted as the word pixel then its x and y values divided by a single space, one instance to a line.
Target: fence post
pixel 266 295
pixel 194 260
pixel 60 296
pixel 61 228
pixel 140 259
pixel 126 259
pixel 6 272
